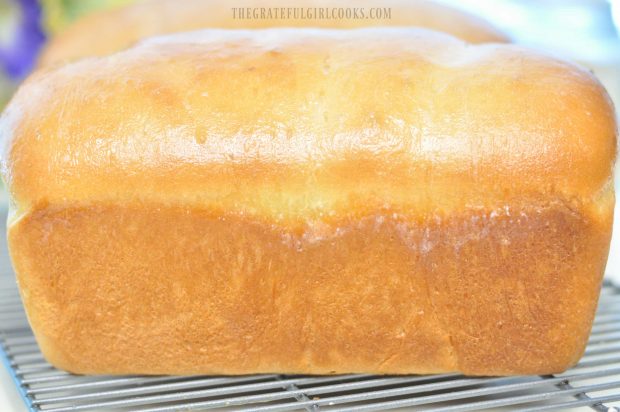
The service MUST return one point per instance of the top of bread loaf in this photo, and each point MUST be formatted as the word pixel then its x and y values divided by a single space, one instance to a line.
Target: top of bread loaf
pixel 111 31
pixel 292 124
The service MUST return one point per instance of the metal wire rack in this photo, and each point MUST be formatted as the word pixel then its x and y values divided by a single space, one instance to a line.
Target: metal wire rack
pixel 594 384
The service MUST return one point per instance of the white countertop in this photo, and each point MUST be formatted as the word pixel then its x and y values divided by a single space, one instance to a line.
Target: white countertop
pixel 10 401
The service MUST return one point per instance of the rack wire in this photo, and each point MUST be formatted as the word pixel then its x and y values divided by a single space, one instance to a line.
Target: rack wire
pixel 594 384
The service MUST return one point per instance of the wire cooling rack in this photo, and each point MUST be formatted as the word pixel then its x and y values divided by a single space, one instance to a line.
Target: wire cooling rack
pixel 594 384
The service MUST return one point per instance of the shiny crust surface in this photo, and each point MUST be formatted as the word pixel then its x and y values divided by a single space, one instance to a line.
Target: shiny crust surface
pixel 99 34
pixel 310 123
pixel 311 201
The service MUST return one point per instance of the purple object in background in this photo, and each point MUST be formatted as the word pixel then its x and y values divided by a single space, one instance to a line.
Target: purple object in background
pixel 19 55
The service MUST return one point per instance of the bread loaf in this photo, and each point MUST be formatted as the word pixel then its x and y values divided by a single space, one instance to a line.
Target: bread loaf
pixel 311 201
pixel 110 31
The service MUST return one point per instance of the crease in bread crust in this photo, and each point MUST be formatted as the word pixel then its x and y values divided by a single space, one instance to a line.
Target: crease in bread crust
pixel 223 202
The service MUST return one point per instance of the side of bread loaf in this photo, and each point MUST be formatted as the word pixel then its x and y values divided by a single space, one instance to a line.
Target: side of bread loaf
pixel 99 34
pixel 311 201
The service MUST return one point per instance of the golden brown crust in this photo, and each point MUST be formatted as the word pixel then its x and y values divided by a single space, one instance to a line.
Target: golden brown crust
pixel 311 201
pixel 153 289
pixel 99 34
pixel 308 122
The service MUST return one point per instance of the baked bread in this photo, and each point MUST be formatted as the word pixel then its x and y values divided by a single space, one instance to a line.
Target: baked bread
pixel 311 201
pixel 99 34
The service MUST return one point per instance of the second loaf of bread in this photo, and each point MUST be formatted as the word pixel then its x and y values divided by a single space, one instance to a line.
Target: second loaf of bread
pixel 98 34
pixel 306 201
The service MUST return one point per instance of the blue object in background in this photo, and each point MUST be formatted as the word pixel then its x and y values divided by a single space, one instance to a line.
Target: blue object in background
pixel 18 53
